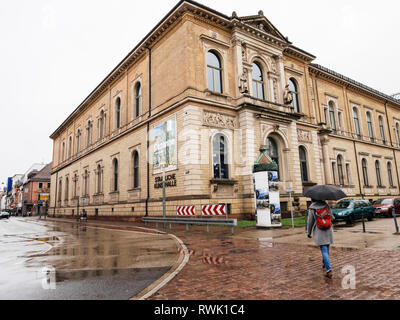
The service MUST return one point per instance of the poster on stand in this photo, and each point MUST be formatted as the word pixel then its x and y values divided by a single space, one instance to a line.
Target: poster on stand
pixel 274 199
pixel 267 199
pixel 261 186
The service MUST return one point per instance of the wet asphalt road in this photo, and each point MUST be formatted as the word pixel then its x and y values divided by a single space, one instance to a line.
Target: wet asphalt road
pixel 44 260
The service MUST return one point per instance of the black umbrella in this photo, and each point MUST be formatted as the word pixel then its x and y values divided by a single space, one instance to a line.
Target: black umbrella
pixel 325 192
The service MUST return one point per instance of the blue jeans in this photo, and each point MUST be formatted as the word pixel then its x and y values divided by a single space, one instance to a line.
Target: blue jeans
pixel 325 257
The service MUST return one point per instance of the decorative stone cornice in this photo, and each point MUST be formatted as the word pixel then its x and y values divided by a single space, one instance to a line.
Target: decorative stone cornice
pixel 188 9
pixel 349 83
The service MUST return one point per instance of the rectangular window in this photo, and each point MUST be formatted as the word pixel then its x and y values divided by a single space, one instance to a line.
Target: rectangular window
pixel 40 185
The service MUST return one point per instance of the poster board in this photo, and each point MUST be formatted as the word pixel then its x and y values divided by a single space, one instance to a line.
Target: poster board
pixel 165 146
pixel 267 199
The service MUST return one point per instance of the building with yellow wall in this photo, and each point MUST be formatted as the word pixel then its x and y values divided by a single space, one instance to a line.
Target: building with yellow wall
pixel 199 96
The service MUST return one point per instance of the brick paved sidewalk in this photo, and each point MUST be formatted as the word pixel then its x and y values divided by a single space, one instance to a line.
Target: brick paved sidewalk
pixel 225 267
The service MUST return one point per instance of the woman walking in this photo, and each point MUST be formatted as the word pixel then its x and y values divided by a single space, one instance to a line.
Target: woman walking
pixel 320 224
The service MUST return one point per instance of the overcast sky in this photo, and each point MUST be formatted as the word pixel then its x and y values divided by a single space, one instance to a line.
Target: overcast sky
pixel 53 53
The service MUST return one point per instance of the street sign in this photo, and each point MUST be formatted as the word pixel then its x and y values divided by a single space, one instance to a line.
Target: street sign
pixel 186 210
pixel 214 210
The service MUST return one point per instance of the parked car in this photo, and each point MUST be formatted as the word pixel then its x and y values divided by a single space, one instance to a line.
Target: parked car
pixel 350 210
pixel 4 215
pixel 384 207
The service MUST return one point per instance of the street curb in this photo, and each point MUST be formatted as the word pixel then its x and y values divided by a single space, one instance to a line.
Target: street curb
pixel 167 277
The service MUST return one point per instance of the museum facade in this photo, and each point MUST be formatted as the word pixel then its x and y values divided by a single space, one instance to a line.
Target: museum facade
pixel 196 99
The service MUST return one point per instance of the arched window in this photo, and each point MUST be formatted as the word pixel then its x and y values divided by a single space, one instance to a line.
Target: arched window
pixel 303 163
pixel 295 93
pixel 369 125
pixel 66 189
pixel 78 141
pixel 334 172
pixel 332 117
pixel 59 191
pixel 272 151
pixel 86 183
pixel 70 147
pixel 220 157
pixel 214 72
pixel 99 179
pixel 75 185
pixel 115 167
pixel 89 134
pixel 364 166
pixel 340 170
pixel 356 123
pixel 382 129
pixel 118 113
pixel 378 173
pixel 138 99
pixel 63 151
pixel 136 170
pixel 258 82
pixel 101 124
pixel 398 133
pixel 390 174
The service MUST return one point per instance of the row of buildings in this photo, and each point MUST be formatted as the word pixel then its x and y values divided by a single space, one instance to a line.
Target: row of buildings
pixel 196 99
pixel 28 193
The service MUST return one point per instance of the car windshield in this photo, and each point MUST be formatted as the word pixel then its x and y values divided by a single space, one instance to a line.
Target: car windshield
pixel 384 201
pixel 343 205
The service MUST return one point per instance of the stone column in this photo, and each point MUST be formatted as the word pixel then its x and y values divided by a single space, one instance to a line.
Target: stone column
pixel 238 63
pixel 325 154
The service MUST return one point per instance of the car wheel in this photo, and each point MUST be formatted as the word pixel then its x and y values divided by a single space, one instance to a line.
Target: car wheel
pixel 370 217
pixel 350 220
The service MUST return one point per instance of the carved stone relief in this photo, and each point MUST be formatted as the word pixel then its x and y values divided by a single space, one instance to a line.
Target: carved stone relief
pixel 304 136
pixel 218 120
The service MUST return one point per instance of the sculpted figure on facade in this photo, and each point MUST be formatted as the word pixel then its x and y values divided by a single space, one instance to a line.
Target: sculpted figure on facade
pixel 287 96
pixel 243 82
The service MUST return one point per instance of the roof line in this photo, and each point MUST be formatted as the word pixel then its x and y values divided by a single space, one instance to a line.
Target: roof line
pixel 355 83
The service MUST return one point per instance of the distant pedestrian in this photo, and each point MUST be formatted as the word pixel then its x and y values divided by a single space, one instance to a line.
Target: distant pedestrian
pixel 320 223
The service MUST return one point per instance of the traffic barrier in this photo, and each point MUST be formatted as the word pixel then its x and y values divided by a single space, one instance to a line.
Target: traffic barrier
pixel 186 211
pixel 214 210
pixel 189 252
pixel 214 260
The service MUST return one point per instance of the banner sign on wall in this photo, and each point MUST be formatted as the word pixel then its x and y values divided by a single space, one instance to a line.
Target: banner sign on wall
pixel 165 147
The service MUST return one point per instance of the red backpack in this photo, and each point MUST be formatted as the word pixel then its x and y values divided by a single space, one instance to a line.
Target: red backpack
pixel 324 219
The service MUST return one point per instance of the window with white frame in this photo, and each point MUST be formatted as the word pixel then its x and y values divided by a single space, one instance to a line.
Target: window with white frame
pixel 258 82
pixel 220 157
pixel 214 72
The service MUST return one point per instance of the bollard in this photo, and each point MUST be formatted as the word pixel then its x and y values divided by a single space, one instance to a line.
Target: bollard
pixel 363 222
pixel 306 222
pixel 395 220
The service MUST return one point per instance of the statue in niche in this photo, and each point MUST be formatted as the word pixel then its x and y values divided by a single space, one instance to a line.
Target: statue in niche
pixel 244 53
pixel 288 96
pixel 243 84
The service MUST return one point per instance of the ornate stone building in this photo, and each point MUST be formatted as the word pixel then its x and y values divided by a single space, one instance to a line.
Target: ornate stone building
pixel 199 96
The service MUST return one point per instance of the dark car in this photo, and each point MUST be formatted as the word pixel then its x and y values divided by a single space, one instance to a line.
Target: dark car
pixel 384 207
pixel 4 215
pixel 352 210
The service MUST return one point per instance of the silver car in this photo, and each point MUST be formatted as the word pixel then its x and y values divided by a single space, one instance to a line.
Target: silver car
pixel 4 215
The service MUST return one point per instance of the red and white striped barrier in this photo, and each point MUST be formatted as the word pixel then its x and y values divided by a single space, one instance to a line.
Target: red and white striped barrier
pixel 214 260
pixel 186 210
pixel 189 252
pixel 214 210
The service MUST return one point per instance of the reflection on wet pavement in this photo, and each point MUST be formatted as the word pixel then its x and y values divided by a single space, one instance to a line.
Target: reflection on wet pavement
pixel 89 262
